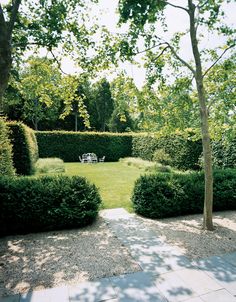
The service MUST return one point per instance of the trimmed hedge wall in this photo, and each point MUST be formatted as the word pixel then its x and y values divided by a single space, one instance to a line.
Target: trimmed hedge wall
pixel 184 152
pixel 6 161
pixel 70 145
pixel 47 203
pixel 25 148
pixel 171 194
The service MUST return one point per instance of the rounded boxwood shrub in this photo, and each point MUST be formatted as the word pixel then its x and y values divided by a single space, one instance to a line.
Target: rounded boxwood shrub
pixel 6 161
pixel 173 194
pixel 46 203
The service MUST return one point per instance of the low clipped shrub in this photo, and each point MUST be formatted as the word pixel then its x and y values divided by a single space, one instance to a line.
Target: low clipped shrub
pixel 6 162
pixel 173 194
pixel 50 165
pixel 70 145
pixel 25 148
pixel 46 203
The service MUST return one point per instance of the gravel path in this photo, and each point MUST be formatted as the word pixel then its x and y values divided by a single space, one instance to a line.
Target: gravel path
pixel 44 260
pixel 50 259
pixel 186 233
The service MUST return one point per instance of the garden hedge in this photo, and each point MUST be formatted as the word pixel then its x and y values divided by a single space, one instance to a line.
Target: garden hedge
pixel 224 153
pixel 46 203
pixel 173 194
pixel 6 161
pixel 184 151
pixel 25 148
pixel 70 145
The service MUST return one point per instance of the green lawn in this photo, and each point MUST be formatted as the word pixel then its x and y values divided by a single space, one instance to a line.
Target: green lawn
pixel 114 180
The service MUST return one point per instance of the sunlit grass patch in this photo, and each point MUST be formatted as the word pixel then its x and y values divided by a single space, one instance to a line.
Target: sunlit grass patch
pixel 50 165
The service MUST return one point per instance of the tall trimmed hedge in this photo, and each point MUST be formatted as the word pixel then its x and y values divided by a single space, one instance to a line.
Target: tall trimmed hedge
pixel 25 148
pixel 184 152
pixel 6 161
pixel 173 194
pixel 46 203
pixel 70 145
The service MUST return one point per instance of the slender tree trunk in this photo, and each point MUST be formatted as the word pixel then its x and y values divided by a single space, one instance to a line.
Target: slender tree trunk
pixel 207 153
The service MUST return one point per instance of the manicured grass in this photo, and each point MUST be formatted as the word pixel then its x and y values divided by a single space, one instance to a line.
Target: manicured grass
pixel 114 180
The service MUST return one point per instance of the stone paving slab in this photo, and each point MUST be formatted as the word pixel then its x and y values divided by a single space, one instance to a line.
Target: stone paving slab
pixel 218 296
pixel 58 294
pixel 138 287
pixel 230 257
pixel 92 291
pixel 220 270
pixel 15 298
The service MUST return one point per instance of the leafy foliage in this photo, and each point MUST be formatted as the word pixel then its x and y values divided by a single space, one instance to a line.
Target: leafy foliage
pixel 70 145
pixel 6 162
pixel 40 204
pixel 25 148
pixel 183 150
pixel 172 194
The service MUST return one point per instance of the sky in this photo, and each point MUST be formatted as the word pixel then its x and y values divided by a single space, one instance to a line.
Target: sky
pixel 177 20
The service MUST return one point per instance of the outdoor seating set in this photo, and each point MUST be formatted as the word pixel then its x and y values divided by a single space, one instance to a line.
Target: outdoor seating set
pixel 91 158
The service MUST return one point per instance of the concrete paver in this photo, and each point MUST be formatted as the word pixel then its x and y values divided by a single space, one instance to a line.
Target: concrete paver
pixel 221 295
pixel 92 291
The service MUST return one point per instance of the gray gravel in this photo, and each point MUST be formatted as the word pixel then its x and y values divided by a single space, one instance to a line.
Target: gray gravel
pixel 49 259
pixel 187 234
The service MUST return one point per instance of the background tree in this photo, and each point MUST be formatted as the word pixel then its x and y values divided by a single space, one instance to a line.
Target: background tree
pixel 46 24
pixel 104 103
pixel 143 17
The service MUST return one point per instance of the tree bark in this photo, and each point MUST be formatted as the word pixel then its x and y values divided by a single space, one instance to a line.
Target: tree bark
pixel 6 29
pixel 5 59
pixel 207 153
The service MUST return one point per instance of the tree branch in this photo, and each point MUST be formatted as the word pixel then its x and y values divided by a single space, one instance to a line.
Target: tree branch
pixel 14 12
pixel 150 48
pixel 58 63
pixel 177 6
pixel 231 46
pixel 203 4
pixel 161 53
pixel 181 60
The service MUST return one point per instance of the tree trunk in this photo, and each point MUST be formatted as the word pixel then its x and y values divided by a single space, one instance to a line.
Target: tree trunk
pixel 5 64
pixel 207 153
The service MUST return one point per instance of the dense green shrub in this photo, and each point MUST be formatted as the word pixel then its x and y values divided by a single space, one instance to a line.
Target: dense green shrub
pixel 70 145
pixel 184 152
pixel 173 194
pixel 224 153
pixel 6 162
pixel 25 148
pixel 46 203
